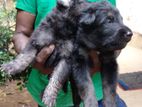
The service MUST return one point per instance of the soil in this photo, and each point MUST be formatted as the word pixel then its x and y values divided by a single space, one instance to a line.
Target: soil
pixel 12 96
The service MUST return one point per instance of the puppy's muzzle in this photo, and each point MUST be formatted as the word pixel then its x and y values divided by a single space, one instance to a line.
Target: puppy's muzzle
pixel 125 33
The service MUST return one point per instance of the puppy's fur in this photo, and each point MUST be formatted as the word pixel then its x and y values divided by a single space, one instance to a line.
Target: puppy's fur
pixel 75 30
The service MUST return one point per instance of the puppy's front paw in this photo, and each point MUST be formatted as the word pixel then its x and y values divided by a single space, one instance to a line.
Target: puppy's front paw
pixel 9 68
pixel 48 99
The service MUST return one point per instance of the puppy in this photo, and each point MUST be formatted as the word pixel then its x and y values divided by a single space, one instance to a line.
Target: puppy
pixel 76 29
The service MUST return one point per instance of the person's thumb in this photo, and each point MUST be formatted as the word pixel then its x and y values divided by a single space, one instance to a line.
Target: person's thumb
pixel 44 54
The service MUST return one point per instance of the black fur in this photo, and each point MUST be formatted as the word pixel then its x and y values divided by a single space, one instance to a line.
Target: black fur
pixel 75 30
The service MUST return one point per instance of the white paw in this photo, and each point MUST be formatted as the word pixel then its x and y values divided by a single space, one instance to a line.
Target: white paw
pixel 49 100
pixel 8 68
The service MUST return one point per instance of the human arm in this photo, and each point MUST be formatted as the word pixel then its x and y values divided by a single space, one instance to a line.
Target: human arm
pixel 24 28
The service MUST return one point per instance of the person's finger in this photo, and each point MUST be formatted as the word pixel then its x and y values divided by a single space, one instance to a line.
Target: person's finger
pixel 44 54
pixel 42 69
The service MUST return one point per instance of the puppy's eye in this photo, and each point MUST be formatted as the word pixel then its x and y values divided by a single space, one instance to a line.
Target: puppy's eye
pixel 110 19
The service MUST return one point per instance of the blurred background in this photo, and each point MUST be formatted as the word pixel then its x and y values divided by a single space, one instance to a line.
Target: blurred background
pixel 130 59
pixel 13 93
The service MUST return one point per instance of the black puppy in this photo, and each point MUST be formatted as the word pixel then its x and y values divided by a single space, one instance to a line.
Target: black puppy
pixel 102 29
pixel 75 30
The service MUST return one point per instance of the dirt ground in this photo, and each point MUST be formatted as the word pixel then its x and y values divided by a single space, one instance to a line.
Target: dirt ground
pixel 130 62
pixel 11 96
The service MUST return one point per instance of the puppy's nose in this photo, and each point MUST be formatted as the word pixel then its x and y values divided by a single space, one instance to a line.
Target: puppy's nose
pixel 128 34
pixel 125 32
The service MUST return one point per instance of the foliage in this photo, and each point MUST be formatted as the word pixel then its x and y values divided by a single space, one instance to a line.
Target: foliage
pixel 7 53
pixel 7 25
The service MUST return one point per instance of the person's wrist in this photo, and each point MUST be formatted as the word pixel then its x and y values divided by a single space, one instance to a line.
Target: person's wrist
pixel 41 68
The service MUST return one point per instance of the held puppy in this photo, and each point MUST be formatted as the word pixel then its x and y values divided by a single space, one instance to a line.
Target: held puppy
pixel 75 30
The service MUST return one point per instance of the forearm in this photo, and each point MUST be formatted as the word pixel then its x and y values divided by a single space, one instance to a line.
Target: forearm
pixel 24 28
pixel 20 40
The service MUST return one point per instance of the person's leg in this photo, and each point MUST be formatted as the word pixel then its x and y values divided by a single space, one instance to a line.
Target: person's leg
pixel 100 104
pixel 120 102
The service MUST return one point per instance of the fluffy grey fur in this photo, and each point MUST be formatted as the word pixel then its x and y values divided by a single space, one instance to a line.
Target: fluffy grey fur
pixel 76 29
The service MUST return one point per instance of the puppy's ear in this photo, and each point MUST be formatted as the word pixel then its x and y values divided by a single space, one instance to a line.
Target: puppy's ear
pixel 87 18
pixel 62 4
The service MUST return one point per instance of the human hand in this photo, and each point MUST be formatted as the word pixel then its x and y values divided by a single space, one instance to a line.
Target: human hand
pixel 42 57
pixel 96 65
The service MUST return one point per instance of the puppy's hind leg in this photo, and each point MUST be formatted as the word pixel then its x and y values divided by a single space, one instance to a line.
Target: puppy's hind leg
pixel 84 84
pixel 59 76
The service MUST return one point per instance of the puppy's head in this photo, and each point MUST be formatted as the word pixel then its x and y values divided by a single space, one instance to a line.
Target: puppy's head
pixel 102 28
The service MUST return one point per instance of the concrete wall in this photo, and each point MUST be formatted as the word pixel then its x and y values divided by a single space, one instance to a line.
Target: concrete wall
pixel 131 11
